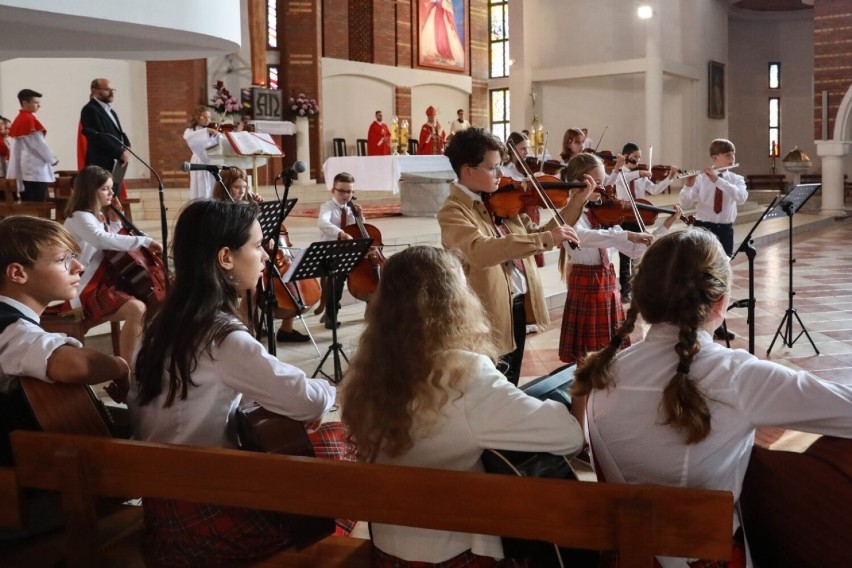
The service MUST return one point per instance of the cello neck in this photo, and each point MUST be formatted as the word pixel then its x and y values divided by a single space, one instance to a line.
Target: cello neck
pixel 359 220
pixel 125 221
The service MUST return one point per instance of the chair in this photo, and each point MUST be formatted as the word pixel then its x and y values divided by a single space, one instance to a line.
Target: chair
pixel 412 146
pixel 339 146
pixel 361 146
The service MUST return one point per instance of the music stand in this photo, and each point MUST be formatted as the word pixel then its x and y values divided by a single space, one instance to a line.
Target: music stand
pixel 334 259
pixel 791 203
pixel 747 247
pixel 272 214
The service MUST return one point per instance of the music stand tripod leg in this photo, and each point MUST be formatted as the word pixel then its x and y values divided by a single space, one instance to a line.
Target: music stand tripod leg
pixel 336 348
pixel 787 337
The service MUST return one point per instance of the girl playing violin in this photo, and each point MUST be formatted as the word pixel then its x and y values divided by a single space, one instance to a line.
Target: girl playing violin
pixel 100 298
pixel 201 136
pixel 572 144
pixel 593 309
pixel 678 409
pixel 638 185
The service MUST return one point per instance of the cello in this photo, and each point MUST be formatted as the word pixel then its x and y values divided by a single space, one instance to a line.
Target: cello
pixel 364 278
pixel 140 273
pixel 292 298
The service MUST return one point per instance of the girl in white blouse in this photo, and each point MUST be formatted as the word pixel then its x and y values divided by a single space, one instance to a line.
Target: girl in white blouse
pixel 677 408
pixel 100 298
pixel 195 362
pixel 422 390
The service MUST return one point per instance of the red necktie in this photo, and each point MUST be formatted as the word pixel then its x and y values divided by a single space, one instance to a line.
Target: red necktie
pixel 717 201
pixel 632 189
pixel 343 217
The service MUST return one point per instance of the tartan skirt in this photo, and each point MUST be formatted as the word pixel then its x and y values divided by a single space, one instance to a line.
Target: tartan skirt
pixel 180 533
pixel 101 297
pixel 593 311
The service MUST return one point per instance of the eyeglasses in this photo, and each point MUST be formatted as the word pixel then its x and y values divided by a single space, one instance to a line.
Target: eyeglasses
pixel 107 90
pixel 343 191
pixel 69 259
pixel 494 170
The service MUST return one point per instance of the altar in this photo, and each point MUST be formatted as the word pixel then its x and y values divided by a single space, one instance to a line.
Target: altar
pixel 422 182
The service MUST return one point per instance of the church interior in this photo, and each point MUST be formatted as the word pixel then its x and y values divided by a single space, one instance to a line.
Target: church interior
pixel 771 76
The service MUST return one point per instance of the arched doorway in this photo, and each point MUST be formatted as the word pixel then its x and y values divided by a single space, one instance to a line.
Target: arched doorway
pixel 833 153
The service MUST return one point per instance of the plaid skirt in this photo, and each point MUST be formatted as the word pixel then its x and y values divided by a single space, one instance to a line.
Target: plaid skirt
pixel 101 298
pixel 466 559
pixel 179 533
pixel 592 312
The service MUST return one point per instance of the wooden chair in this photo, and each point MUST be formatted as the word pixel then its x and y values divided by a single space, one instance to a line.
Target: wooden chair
pixel 339 146
pixel 361 146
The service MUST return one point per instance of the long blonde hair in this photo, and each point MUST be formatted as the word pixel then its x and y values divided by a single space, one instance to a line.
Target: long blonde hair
pixel 423 308
pixel 681 277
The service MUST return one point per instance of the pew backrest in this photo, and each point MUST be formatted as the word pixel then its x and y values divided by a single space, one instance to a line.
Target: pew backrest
pixel 638 521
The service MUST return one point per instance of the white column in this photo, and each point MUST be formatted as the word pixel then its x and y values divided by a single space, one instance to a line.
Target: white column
pixel 303 148
pixel 520 73
pixel 832 153
pixel 653 82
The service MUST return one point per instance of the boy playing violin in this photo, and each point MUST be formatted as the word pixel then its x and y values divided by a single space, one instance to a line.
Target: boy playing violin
pixel 638 185
pixel 496 252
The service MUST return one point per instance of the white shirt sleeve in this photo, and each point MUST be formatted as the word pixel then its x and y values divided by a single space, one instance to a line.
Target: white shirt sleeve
pixel 329 220
pixel 25 349
pixel 85 226
pixel 246 367
pixel 501 416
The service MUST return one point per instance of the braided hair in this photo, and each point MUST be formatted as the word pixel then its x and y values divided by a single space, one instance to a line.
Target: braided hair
pixel 682 276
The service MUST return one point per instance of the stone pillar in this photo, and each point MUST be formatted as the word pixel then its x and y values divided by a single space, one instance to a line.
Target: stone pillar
pixel 832 153
pixel 653 82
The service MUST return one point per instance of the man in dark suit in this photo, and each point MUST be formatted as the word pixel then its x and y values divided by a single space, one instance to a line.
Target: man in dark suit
pixel 101 149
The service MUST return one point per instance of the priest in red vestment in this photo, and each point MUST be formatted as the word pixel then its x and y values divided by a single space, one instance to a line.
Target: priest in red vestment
pixel 378 137
pixel 432 136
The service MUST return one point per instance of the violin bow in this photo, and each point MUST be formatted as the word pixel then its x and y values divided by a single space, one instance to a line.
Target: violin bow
pixel 541 193
pixel 598 145
pixel 639 220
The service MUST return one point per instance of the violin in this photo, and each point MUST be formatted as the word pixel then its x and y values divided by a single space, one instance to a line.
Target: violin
pixel 658 172
pixel 512 199
pixel 292 298
pixel 611 211
pixel 549 167
pixel 140 272
pixel 364 279
pixel 540 192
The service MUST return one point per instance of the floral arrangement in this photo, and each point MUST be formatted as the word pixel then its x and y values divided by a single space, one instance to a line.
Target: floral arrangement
pixel 223 102
pixel 301 105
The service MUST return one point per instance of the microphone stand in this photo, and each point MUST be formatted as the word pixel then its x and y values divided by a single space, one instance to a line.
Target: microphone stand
pixel 163 221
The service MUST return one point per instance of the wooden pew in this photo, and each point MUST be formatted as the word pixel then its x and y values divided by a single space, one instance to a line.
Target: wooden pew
pixel 9 207
pixel 767 181
pixel 638 521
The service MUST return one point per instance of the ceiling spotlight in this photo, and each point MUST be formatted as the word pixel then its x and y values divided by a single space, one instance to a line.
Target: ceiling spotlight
pixel 644 11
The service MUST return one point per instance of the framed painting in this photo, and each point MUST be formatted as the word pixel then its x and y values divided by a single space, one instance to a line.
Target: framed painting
pixel 442 34
pixel 716 90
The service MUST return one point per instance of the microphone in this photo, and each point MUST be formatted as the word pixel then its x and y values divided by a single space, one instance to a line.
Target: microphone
pixel 298 167
pixel 213 169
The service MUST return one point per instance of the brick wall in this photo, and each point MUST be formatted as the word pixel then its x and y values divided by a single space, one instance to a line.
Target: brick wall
pixel 177 86
pixel 832 58
pixel 300 28
pixel 335 29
